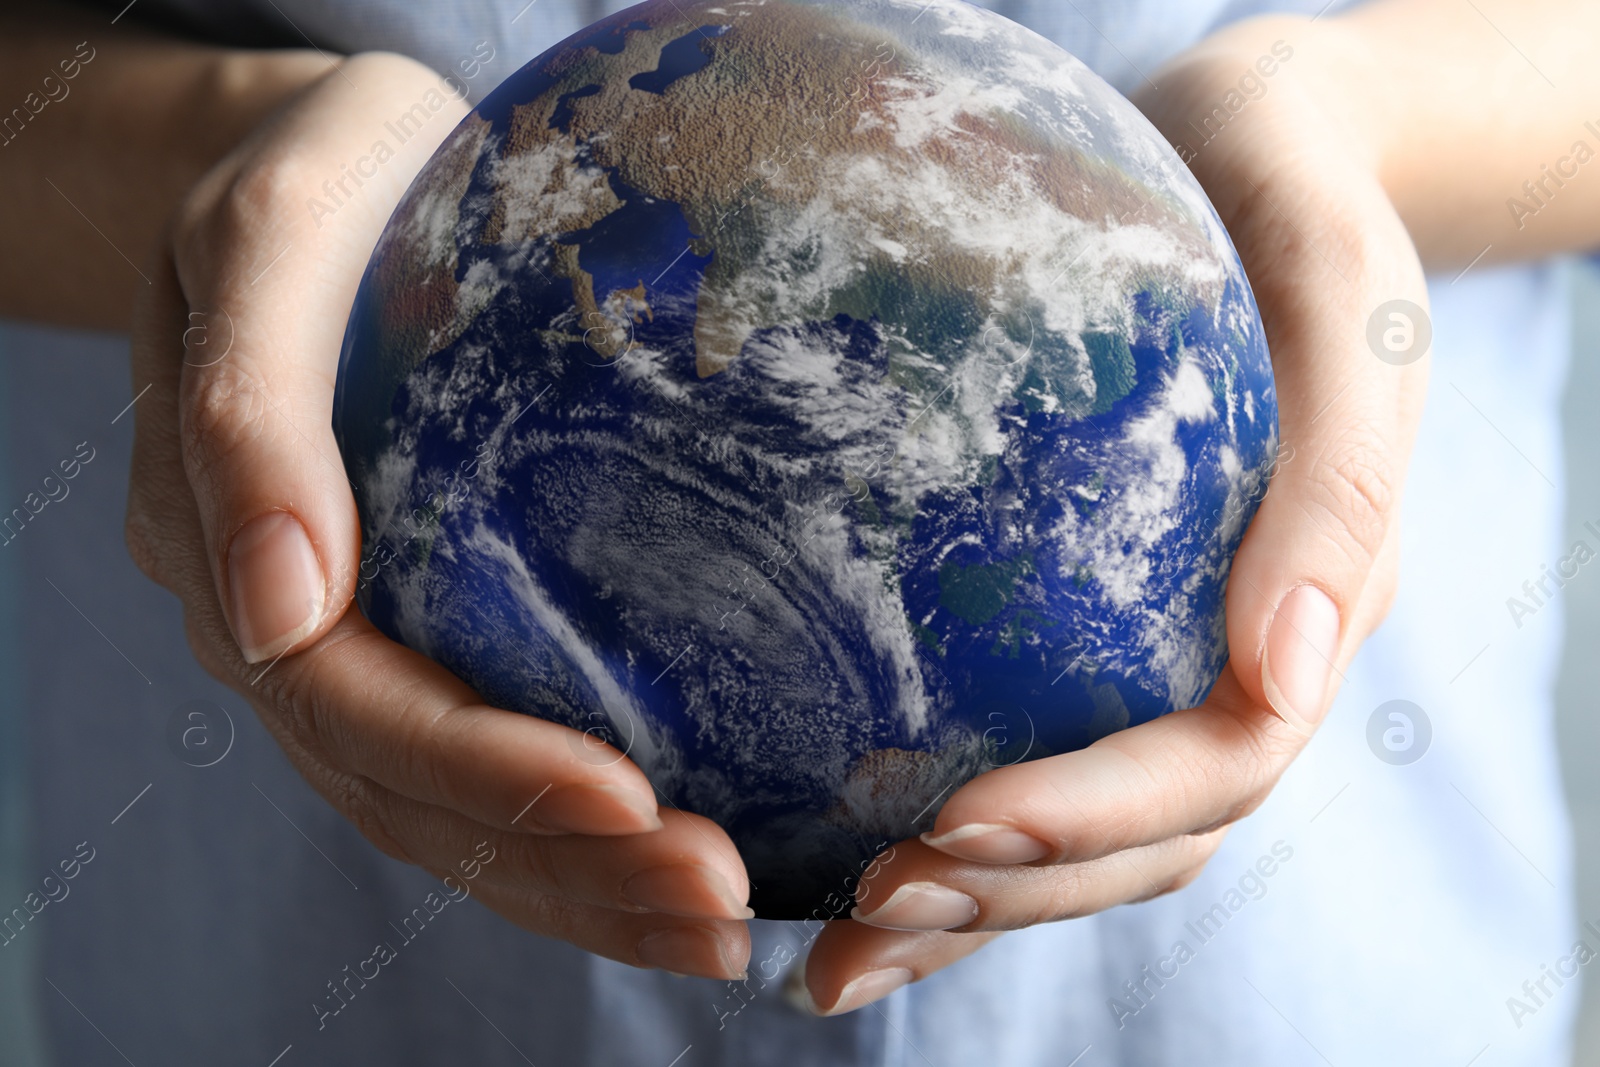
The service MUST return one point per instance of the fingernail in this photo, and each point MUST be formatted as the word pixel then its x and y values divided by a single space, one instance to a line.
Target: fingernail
pixel 874 985
pixel 276 585
pixel 693 950
pixel 691 889
pixel 983 842
pixel 1298 656
pixel 921 906
pixel 591 808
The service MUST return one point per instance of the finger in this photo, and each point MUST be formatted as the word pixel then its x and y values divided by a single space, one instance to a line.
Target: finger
pixel 368 706
pixel 689 867
pixel 279 281
pixel 852 965
pixel 1322 264
pixel 358 702
pixel 924 889
pixel 1187 772
pixel 855 964
pixel 387 713
pixel 684 946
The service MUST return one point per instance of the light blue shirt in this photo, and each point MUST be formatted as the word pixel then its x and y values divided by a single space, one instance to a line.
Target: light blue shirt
pixel 1369 913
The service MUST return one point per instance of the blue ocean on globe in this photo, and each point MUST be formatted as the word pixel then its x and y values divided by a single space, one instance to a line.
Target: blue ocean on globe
pixel 821 403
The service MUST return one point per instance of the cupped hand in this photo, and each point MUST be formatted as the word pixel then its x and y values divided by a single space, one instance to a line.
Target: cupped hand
pixel 239 504
pixel 1296 178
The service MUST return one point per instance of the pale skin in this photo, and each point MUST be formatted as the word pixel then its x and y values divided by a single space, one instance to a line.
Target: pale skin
pixel 1389 143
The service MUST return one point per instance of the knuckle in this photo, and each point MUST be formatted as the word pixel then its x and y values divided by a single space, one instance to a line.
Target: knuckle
pixel 1255 784
pixel 1362 249
pixel 556 916
pixel 533 858
pixel 427 751
pixel 360 800
pixel 1357 488
pixel 224 410
pixel 308 694
pixel 302 711
pixel 1052 895
pixel 1067 899
pixel 264 188
pixel 1255 761
pixel 1083 840
pixel 1229 776
pixel 233 204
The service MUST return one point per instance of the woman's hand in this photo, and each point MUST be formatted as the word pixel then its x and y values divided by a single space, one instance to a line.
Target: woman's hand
pixel 239 505
pixel 1139 813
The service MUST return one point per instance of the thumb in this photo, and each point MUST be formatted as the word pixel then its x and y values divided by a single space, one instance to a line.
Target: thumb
pixel 270 250
pixel 1316 569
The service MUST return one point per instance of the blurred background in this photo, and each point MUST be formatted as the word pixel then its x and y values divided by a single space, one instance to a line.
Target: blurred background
pixel 1578 691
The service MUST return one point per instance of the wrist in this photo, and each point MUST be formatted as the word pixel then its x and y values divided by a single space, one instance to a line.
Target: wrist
pixel 148 115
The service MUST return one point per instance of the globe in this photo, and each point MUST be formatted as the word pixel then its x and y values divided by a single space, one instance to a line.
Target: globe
pixel 819 404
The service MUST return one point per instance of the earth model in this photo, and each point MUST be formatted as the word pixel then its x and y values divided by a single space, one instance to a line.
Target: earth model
pixel 820 402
